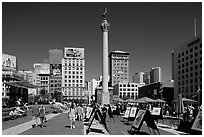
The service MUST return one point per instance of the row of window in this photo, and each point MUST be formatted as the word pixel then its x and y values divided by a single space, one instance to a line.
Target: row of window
pixel 119 69
pixel 73 72
pixel 73 68
pixel 189 57
pixel 187 89
pixel 128 85
pixel 73 76
pixel 119 55
pixel 73 85
pixel 122 64
pixel 44 78
pixel 73 94
pixel 55 81
pixel 195 80
pixel 120 78
pixel 128 89
pixel 128 93
pixel 190 75
pixel 190 62
pixel 44 82
pixel 73 63
pixel 189 69
pixel 189 51
pixel 55 85
pixel 73 81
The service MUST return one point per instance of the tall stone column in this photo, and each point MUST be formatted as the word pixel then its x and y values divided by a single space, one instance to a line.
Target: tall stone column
pixel 105 99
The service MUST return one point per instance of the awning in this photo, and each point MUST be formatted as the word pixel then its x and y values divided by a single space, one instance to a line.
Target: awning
pixel 21 84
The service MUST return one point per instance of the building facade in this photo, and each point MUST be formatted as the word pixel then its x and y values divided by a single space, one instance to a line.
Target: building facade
pixel 155 75
pixel 41 75
pixel 187 69
pixel 73 74
pixel 9 72
pixel 27 75
pixel 55 61
pixel 146 77
pixel 118 67
pixel 153 90
pixel 14 84
pixel 138 77
pixel 126 90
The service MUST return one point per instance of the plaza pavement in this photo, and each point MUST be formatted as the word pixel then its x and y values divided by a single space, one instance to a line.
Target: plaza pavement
pixel 57 124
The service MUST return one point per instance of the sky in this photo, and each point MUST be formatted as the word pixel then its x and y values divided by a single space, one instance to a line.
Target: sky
pixel 149 31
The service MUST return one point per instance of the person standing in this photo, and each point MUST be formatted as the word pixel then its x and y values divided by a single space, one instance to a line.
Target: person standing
pixel 35 113
pixel 104 111
pixel 80 112
pixel 110 112
pixel 42 116
pixel 72 115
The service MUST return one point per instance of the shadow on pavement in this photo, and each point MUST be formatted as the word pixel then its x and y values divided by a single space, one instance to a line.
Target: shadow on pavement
pixel 96 130
pixel 137 132
pixel 67 126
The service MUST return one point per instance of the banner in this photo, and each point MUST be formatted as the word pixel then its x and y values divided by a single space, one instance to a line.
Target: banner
pixel 8 61
pixel 55 69
pixel 73 52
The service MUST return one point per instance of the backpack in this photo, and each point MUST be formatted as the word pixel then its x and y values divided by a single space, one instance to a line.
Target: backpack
pixel 42 112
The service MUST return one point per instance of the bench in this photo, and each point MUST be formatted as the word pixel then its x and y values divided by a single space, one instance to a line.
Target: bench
pixel 6 116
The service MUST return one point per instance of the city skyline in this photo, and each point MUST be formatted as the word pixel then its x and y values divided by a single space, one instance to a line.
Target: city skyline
pixel 149 31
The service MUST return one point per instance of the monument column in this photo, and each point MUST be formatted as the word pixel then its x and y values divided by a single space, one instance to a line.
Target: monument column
pixel 105 98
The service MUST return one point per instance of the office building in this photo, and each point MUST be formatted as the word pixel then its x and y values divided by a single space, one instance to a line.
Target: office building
pixel 138 77
pixel 155 75
pixel 146 77
pixel 73 74
pixel 126 90
pixel 118 67
pixel 14 86
pixel 55 61
pixel 187 69
pixel 41 75
pixel 27 75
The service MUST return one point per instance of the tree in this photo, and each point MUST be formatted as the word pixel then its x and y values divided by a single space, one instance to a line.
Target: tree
pixel 58 96
pixel 44 96
pixel 31 98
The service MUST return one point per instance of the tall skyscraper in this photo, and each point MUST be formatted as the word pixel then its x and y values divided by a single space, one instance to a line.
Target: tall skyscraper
pixel 146 77
pixel 187 69
pixel 118 67
pixel 73 74
pixel 155 75
pixel 138 77
pixel 55 60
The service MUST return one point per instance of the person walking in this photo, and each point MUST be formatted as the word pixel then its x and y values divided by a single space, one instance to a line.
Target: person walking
pixel 72 115
pixel 35 113
pixel 110 113
pixel 80 112
pixel 42 116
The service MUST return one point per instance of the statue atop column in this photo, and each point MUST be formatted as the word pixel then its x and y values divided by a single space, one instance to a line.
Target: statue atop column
pixel 104 14
pixel 105 25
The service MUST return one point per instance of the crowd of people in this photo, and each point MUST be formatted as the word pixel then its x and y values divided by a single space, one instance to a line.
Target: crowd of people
pixel 108 112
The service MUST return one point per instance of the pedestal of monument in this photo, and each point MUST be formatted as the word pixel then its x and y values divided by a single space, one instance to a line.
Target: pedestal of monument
pixel 105 99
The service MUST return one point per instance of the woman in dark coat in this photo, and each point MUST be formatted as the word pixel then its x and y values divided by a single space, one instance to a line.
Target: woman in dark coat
pixel 118 110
